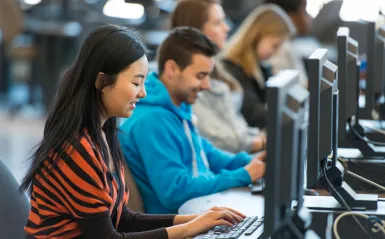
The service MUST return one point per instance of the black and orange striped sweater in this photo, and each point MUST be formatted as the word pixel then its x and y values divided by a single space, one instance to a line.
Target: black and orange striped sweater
pixel 80 198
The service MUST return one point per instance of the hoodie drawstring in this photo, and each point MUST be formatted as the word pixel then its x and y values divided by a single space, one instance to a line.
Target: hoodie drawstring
pixel 194 157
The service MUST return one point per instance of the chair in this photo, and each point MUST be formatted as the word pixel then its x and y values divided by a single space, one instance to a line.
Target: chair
pixel 14 206
pixel 135 202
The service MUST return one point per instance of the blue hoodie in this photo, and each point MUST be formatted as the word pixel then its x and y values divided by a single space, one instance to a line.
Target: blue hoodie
pixel 170 162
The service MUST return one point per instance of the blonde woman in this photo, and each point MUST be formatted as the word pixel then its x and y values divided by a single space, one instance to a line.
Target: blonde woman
pixel 257 39
pixel 288 57
pixel 218 109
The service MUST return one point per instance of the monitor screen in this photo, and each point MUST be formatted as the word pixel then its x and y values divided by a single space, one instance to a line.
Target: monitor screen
pixel 347 78
pixel 380 61
pixel 287 124
pixel 322 86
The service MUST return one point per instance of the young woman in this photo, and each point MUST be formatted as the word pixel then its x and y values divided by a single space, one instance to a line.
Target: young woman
pixel 218 109
pixel 258 38
pixel 288 56
pixel 76 177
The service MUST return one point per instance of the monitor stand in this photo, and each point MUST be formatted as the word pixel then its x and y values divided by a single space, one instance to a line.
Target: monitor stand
pixel 374 129
pixel 369 151
pixel 301 220
pixel 335 175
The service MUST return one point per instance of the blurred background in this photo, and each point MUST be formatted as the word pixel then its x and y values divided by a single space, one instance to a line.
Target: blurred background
pixel 40 38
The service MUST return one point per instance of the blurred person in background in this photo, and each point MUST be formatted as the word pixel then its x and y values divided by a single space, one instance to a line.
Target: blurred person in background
pixel 286 57
pixel 11 20
pixel 218 108
pixel 244 57
pixel 11 24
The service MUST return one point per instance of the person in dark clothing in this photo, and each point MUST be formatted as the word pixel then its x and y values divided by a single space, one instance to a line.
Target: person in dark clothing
pixel 253 106
pixel 76 177
pixel 296 9
pixel 258 38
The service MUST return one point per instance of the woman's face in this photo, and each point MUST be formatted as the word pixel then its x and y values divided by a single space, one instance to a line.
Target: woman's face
pixel 216 28
pixel 268 46
pixel 119 99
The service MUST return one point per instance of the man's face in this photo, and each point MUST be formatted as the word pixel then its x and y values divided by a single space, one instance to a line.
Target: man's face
pixel 193 79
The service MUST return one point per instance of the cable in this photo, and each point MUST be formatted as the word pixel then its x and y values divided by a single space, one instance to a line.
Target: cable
pixel 367 170
pixel 365 139
pixel 378 227
pixel 291 225
pixel 365 180
pixel 365 187
pixel 335 191
pixel 342 200
pixel 344 163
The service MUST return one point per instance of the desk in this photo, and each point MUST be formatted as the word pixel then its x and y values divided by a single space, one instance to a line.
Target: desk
pixel 253 205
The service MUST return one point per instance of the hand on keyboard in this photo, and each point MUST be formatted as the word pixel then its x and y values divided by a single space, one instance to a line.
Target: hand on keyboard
pixel 213 217
pixel 251 227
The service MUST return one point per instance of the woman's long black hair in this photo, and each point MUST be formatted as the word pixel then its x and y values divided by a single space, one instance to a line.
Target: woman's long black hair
pixel 78 103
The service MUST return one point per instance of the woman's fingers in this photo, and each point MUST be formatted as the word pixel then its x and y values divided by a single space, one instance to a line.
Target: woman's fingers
pixel 234 211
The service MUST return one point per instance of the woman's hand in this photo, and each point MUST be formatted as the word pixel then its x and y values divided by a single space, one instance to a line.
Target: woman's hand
pixel 181 219
pixel 213 217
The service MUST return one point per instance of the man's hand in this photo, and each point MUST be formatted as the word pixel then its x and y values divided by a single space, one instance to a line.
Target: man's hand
pixel 256 168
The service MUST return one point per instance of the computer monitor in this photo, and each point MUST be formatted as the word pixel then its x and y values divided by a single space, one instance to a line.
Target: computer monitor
pixel 380 62
pixel 366 112
pixel 323 136
pixel 321 75
pixel 348 84
pixel 347 81
pixel 287 131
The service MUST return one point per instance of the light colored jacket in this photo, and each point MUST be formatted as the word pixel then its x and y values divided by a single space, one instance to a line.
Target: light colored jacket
pixel 288 58
pixel 220 121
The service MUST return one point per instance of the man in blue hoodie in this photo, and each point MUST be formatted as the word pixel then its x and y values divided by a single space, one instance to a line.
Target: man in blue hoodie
pixel 171 163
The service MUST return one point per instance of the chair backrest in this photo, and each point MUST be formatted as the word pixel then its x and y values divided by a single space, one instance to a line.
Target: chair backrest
pixel 14 206
pixel 135 202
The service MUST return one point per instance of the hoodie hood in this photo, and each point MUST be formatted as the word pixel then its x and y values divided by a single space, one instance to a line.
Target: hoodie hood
pixel 158 95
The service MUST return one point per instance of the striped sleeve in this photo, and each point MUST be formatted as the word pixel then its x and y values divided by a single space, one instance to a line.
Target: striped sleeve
pixel 77 180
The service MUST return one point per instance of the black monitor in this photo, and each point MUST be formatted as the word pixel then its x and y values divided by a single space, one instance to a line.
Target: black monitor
pixel 366 112
pixel 347 80
pixel 322 165
pixel 321 75
pixel 350 131
pixel 287 131
pixel 380 62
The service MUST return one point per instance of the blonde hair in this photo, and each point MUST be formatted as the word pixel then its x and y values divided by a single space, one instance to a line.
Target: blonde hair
pixel 264 21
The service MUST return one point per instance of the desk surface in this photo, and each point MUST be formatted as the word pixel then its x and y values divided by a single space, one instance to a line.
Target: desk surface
pixel 253 205
pixel 238 198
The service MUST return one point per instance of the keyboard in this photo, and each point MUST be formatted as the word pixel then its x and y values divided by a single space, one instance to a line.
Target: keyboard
pixel 249 227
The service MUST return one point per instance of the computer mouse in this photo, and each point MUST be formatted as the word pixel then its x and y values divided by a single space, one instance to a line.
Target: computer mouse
pixel 258 187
